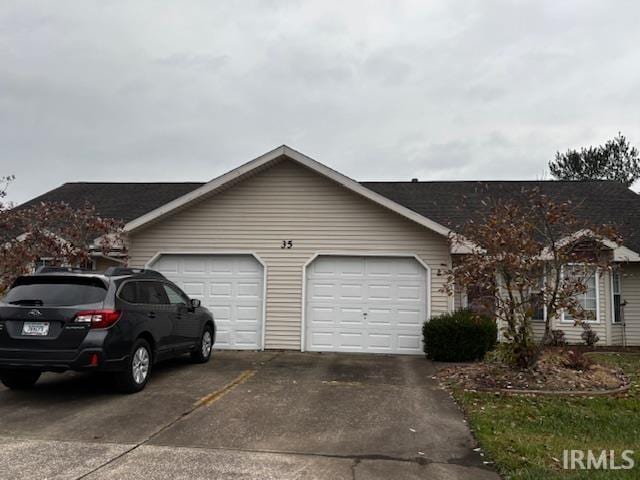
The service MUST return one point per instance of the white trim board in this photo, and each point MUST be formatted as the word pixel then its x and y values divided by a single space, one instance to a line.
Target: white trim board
pixel 303 316
pixel 263 327
pixel 261 161
pixel 596 276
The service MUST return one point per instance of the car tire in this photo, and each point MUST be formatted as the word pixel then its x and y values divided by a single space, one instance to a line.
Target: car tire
pixel 202 354
pixel 19 379
pixel 138 370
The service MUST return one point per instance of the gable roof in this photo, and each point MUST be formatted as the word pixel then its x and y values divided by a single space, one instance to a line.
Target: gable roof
pixel 263 162
pixel 445 204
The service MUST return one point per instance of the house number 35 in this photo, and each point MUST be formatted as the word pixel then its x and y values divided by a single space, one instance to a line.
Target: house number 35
pixel 286 244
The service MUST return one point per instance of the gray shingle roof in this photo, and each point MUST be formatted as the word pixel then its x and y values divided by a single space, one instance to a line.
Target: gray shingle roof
pixel 124 201
pixel 451 203
pixel 448 203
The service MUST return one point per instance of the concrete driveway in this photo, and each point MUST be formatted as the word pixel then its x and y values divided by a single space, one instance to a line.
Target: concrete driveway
pixel 254 415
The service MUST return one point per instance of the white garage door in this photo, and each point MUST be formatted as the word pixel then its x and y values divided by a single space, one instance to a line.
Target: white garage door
pixel 231 286
pixel 365 304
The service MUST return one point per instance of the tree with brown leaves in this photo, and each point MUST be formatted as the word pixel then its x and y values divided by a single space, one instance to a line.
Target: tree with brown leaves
pixel 528 253
pixel 54 231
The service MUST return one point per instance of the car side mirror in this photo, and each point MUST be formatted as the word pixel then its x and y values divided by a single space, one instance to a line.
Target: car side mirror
pixel 195 303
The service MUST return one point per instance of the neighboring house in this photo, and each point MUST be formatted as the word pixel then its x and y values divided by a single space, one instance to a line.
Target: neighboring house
pixel 290 254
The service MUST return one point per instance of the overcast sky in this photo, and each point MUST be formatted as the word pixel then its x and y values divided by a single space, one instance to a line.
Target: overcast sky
pixel 177 91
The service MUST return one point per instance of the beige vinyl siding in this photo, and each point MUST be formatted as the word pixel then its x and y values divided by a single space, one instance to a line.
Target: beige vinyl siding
pixel 631 295
pixel 617 335
pixel 290 202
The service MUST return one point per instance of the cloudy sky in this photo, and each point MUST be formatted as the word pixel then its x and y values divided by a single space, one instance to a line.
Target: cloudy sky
pixel 176 91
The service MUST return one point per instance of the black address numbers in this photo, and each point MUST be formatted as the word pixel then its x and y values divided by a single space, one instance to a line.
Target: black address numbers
pixel 286 244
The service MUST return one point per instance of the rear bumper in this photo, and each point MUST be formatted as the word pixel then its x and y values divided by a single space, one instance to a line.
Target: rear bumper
pixel 60 360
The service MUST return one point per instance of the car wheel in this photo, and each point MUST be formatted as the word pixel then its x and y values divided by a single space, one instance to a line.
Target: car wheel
pixel 19 379
pixel 202 354
pixel 135 377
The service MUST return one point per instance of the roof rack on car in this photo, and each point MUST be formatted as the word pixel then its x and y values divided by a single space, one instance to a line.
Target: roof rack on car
pixel 45 269
pixel 119 271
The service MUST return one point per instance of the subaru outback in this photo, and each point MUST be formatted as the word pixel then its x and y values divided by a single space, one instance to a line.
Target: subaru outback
pixel 121 321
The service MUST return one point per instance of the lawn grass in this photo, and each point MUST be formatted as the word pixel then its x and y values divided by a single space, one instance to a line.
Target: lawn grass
pixel 526 436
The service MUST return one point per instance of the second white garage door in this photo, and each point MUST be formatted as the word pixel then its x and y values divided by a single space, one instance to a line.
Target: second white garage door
pixel 365 304
pixel 231 286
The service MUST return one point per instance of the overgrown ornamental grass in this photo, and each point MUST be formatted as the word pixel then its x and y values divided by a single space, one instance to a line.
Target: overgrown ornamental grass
pixel 525 436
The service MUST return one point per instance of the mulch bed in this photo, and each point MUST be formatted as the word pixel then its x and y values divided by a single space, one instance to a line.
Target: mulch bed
pixel 603 349
pixel 556 371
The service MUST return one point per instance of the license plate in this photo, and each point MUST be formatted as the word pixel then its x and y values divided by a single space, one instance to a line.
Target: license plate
pixel 39 329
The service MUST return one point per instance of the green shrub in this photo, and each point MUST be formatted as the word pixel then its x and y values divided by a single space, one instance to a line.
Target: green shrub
pixel 459 337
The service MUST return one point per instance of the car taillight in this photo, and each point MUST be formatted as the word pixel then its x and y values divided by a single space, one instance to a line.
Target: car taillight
pixel 98 318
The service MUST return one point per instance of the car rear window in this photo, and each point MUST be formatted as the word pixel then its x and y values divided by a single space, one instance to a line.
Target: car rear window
pixel 56 291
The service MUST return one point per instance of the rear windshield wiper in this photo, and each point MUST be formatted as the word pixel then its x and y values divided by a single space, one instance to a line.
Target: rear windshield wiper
pixel 27 301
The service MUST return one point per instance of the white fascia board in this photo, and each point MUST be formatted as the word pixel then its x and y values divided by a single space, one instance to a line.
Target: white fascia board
pixel 624 254
pixel 303 160
pixel 203 190
pixel 356 187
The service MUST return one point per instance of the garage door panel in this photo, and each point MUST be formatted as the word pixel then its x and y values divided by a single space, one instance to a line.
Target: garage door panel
pixel 221 313
pixel 193 289
pixel 410 292
pixel 247 313
pixel 222 338
pixel 377 291
pixel 246 290
pixel 324 269
pixel 234 293
pixel 379 267
pixel 248 266
pixel 409 342
pixel 351 291
pixel 169 266
pixel 220 266
pixel 221 290
pixel 380 341
pixel 350 340
pixel 191 266
pixel 410 318
pixel 350 315
pixel 244 338
pixel 319 314
pixel 380 316
pixel 367 304
pixel 350 267
pixel 323 291
pixel 321 340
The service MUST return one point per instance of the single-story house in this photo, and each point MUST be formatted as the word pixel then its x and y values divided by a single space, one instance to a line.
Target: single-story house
pixel 291 254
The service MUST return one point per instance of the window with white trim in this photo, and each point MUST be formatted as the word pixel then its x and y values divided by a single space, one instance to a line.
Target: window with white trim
pixel 616 292
pixel 537 302
pixel 589 299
